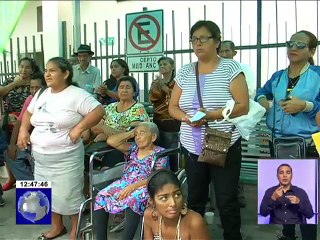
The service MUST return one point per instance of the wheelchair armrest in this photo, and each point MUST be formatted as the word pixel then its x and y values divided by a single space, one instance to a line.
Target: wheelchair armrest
pixel 168 152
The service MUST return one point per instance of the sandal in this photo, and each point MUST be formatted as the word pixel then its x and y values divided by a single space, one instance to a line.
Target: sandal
pixel 44 237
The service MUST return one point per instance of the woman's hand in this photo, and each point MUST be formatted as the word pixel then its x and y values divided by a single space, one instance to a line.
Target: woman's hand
pixel 102 90
pixel 75 134
pixel 12 151
pixel 127 191
pixel 23 139
pixel 294 105
pixel 199 123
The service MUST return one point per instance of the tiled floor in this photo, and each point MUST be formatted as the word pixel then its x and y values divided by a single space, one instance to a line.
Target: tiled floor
pixel 251 231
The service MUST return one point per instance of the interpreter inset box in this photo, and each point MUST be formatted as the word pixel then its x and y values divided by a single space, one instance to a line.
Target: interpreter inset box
pixel 287 191
pixel 33 202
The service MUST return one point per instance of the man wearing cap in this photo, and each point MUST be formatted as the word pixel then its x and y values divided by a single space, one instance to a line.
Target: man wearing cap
pixel 87 76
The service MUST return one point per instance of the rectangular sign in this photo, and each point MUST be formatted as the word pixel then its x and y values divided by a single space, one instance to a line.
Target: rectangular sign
pixel 144 32
pixel 143 63
pixel 33 202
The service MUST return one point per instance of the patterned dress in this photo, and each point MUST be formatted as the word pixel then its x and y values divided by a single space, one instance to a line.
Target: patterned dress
pixel 122 120
pixel 135 171
pixel 13 102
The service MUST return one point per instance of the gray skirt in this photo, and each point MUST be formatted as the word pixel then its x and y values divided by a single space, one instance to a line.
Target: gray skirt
pixel 65 171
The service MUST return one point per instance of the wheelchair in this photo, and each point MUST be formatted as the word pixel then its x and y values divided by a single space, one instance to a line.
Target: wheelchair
pixel 100 179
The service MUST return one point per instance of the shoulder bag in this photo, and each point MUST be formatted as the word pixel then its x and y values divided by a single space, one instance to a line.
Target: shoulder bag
pixel 216 143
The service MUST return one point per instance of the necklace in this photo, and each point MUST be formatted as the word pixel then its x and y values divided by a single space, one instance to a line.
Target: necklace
pixel 177 237
pixel 292 83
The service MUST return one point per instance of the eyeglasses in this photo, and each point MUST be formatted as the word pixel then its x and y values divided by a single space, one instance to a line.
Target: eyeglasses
pixel 202 39
pixel 299 45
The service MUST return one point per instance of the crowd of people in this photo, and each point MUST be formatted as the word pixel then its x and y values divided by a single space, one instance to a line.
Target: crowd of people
pixel 68 109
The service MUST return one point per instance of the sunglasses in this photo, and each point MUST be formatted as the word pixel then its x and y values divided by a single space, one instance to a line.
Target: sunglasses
pixel 299 45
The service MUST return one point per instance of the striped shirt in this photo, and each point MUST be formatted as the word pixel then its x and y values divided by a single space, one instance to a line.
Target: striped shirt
pixel 215 92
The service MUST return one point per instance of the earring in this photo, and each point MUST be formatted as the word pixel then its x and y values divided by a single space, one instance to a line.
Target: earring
pixel 154 214
pixel 184 209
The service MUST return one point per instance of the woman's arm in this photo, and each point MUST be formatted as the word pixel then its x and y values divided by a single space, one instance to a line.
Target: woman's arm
pixel 239 92
pixel 119 141
pixel 131 188
pixel 112 94
pixel 147 232
pixel 24 135
pixel 12 148
pixel 174 109
pixel 90 120
pixel 4 90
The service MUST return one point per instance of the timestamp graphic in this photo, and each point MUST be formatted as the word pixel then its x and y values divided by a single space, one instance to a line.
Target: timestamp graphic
pixel 33 202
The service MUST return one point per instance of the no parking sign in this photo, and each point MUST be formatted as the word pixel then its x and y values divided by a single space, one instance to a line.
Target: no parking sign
pixel 144 40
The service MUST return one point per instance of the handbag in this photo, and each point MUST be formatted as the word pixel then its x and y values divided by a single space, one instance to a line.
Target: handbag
pixel 289 147
pixel 216 143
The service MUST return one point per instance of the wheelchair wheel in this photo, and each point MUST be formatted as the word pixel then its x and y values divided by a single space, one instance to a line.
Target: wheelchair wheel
pixel 182 176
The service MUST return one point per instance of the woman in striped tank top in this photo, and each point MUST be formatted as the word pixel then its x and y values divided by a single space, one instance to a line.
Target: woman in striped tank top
pixel 220 80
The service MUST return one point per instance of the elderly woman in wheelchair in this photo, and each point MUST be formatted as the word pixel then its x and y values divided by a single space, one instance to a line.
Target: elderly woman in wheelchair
pixel 129 194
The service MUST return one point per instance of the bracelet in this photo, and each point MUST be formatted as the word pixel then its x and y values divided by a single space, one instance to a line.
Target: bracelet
pixel 260 97
pixel 308 107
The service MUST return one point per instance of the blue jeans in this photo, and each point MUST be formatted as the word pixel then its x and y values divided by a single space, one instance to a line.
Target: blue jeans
pixel 20 167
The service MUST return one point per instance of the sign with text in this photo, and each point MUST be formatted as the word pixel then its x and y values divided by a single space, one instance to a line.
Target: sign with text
pixel 143 63
pixel 144 32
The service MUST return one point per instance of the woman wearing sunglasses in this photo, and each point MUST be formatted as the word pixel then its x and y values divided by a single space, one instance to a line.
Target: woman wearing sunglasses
pixel 295 93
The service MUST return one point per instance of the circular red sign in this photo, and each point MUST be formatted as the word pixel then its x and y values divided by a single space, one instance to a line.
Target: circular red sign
pixel 136 24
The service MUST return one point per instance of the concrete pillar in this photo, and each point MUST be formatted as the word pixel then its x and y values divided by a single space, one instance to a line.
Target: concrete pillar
pixel 51 30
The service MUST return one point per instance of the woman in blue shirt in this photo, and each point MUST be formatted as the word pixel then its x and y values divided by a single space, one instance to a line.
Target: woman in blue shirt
pixel 295 92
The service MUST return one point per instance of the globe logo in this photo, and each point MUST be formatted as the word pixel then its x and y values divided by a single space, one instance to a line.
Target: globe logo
pixel 33 205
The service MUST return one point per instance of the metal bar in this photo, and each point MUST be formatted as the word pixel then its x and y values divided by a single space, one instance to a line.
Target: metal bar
pixel 42 51
pixel 64 38
pixel 259 45
pixel 5 63
pixel 277 36
pixel 296 14
pixel 181 55
pixel 34 46
pixel 11 56
pixel 189 22
pixel 119 29
pixel 222 20
pixel 107 48
pixel 173 37
pixel 240 29
pixel 26 45
pixel 166 44
pixel 84 34
pixel 204 12
pixel 95 42
pixel 1 77
pixel 77 24
pixel 101 64
pixel 317 29
pixel 18 49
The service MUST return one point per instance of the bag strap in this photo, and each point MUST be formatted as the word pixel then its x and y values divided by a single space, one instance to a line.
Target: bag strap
pixel 41 91
pixel 227 111
pixel 198 85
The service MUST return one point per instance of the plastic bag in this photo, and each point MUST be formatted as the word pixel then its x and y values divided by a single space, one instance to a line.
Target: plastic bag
pixel 245 124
